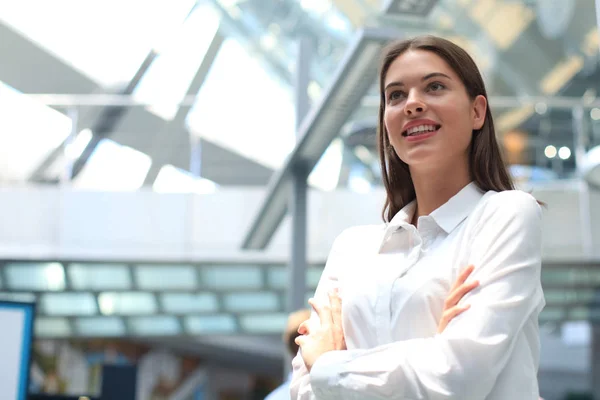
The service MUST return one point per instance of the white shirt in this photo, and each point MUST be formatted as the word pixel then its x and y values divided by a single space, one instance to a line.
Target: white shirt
pixel 393 280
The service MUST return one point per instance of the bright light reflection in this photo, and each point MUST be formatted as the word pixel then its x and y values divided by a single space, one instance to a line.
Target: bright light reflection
pixel 74 149
pixel 55 276
pixel 326 174
pixel 550 151
pixel 175 180
pixel 28 132
pixel 106 304
pixel 113 167
pixel 261 127
pixel 319 7
pixel 564 153
pixel 96 37
pixel 359 184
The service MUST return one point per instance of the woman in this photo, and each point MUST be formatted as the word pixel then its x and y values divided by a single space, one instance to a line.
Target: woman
pixel 450 203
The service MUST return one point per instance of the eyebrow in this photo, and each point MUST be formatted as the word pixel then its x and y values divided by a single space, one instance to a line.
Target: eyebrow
pixel 426 77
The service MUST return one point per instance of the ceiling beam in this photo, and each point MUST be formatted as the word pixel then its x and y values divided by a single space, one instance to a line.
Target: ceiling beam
pixel 354 77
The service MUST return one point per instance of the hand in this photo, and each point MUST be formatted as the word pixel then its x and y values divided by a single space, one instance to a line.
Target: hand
pixel 328 335
pixel 460 288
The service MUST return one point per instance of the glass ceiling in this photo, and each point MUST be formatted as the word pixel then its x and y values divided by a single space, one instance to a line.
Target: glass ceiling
pixel 97 37
pixel 115 299
pixel 246 103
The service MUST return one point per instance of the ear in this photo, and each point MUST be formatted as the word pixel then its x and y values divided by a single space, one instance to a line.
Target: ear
pixel 479 111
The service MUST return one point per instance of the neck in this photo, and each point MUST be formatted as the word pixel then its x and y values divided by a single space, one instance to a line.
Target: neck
pixel 433 188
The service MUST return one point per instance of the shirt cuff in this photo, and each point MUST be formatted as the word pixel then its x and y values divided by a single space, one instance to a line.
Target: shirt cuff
pixel 325 373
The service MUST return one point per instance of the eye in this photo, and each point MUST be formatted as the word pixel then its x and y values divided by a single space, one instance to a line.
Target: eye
pixel 395 95
pixel 436 86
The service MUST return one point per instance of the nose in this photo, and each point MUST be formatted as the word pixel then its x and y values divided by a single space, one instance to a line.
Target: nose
pixel 414 104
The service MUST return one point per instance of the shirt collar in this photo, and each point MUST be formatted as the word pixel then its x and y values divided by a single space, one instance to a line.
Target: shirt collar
pixel 448 215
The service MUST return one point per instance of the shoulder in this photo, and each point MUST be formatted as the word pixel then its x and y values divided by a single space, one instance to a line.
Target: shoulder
pixel 514 206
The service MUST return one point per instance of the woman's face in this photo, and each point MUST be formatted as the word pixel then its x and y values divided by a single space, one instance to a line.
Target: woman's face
pixel 428 115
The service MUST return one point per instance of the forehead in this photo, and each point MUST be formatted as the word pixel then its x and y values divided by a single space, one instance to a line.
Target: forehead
pixel 415 64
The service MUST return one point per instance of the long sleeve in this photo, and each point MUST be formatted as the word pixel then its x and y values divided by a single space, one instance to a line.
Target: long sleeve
pixel 464 361
pixel 300 386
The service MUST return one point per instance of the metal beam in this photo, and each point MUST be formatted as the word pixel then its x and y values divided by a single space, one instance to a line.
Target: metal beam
pixel 420 8
pixel 299 200
pixel 322 124
pixel 102 126
pixel 27 67
pixel 175 132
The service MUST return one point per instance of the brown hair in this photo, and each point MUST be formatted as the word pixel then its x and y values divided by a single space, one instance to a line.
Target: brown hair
pixel 487 168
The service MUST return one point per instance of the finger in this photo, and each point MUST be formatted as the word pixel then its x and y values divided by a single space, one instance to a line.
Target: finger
pixel 323 311
pixel 303 328
pixel 336 307
pixel 462 277
pixel 454 298
pixel 456 311
pixel 300 340
pixel 450 314
pixel 336 316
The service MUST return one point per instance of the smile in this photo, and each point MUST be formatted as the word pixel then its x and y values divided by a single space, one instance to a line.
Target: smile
pixel 420 130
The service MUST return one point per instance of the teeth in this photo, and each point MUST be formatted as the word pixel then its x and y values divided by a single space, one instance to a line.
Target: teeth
pixel 421 128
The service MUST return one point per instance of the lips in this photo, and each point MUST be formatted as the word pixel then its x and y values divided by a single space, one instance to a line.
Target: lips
pixel 420 126
pixel 419 130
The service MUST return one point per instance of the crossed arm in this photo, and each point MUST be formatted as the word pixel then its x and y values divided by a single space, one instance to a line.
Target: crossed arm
pixel 506 252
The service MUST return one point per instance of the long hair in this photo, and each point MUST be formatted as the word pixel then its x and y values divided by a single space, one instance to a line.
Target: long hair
pixel 487 167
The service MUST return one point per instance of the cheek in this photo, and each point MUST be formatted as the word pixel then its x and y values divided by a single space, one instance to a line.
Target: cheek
pixel 393 123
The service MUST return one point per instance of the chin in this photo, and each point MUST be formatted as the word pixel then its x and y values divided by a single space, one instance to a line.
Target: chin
pixel 421 157
pixel 425 163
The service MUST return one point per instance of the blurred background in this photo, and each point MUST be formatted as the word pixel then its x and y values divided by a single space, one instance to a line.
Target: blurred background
pixel 173 173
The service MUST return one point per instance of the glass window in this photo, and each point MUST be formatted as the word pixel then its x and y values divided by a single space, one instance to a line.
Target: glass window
pixel 162 325
pixel 594 315
pixel 113 167
pixel 68 304
pixel 550 276
pixel 22 297
pixel 552 314
pixel 228 277
pixel 266 323
pixel 313 274
pixel 100 326
pixel 210 324
pixel 579 313
pixel 29 131
pixel 170 75
pixel 174 180
pixel 277 278
pixel 241 302
pixel 308 296
pixel 184 303
pixel 97 37
pixel 326 174
pixel 165 277
pixel 270 116
pixel 99 276
pixel 52 327
pixel 35 276
pixel 126 303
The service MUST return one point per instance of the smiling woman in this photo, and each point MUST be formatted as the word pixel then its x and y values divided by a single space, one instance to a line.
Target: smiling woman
pixel 453 90
pixel 441 301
